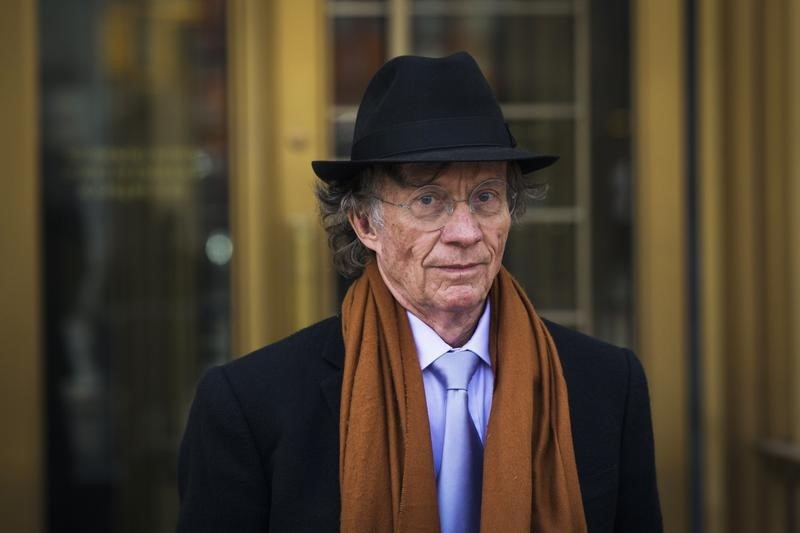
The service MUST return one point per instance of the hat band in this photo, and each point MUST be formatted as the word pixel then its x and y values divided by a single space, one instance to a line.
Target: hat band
pixel 432 135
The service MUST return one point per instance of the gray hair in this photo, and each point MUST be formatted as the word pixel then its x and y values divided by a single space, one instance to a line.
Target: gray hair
pixel 337 200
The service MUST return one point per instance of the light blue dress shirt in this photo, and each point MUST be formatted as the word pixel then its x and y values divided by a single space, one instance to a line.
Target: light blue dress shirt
pixel 429 348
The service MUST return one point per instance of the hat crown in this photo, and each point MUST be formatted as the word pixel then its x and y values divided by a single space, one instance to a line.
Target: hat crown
pixel 453 87
pixel 419 103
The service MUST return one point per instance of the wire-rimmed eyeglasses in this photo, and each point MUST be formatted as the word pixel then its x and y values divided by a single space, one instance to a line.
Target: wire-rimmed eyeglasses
pixel 430 205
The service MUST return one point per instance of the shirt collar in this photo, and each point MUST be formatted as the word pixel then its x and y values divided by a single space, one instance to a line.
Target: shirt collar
pixel 430 346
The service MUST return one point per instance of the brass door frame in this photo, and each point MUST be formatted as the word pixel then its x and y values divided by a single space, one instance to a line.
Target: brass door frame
pixel 21 370
pixel 282 279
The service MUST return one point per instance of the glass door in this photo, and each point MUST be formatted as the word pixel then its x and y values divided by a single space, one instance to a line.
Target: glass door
pixel 137 248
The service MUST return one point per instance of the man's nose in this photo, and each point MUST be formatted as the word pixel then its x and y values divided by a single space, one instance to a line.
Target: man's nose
pixel 462 226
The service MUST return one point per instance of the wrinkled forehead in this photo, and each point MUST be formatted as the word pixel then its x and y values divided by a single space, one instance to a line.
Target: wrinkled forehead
pixel 419 174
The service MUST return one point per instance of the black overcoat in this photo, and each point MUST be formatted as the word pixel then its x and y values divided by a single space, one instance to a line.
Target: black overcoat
pixel 261 447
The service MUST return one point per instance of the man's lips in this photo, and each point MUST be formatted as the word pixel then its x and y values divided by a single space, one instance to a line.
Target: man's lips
pixel 465 267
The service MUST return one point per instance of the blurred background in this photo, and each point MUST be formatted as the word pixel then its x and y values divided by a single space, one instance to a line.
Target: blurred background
pixel 157 218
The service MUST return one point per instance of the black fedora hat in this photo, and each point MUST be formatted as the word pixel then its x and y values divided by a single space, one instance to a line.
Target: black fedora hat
pixel 421 109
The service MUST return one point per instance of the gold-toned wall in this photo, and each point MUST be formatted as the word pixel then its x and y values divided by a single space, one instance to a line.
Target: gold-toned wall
pixel 660 240
pixel 747 86
pixel 747 82
pixel 21 373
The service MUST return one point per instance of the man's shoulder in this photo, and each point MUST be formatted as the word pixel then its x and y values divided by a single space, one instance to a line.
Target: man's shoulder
pixel 599 375
pixel 574 341
pixel 583 356
pixel 308 354
pixel 314 337
pixel 277 389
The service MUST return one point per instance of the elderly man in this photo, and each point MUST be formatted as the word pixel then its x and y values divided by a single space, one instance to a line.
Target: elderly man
pixel 438 400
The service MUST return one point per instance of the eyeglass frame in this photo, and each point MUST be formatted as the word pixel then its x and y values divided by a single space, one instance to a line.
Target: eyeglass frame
pixel 450 206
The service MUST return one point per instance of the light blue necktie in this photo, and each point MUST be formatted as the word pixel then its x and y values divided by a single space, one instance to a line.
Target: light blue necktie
pixel 461 470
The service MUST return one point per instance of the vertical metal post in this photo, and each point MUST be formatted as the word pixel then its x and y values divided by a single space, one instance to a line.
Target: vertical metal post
pixel 399 24
pixel 21 372
pixel 583 166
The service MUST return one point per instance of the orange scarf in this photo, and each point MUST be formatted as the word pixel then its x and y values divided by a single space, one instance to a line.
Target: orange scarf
pixel 386 471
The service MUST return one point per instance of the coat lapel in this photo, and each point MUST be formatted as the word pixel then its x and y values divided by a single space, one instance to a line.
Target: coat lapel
pixel 331 385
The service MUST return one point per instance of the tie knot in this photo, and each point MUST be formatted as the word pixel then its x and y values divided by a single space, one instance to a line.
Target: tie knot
pixel 455 369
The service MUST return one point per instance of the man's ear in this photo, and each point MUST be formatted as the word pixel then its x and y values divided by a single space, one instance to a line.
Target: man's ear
pixel 365 230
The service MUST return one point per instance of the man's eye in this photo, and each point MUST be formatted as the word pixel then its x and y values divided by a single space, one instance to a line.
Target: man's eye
pixel 429 199
pixel 486 196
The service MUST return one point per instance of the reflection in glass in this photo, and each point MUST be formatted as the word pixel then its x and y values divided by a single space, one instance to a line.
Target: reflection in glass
pixel 567 3
pixel 360 49
pixel 551 137
pixel 542 258
pixel 525 58
pixel 135 186
pixel 343 138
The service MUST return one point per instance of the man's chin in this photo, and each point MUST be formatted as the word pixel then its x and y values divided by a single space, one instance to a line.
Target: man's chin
pixel 463 301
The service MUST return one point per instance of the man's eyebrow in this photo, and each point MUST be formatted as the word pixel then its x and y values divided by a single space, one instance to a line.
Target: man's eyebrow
pixel 415 175
pixel 428 172
pixel 409 184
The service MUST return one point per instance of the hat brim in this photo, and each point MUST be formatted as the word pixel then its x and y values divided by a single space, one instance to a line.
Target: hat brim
pixel 344 170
